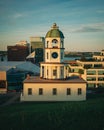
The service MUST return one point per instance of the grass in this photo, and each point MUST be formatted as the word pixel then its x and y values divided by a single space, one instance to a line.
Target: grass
pixel 86 115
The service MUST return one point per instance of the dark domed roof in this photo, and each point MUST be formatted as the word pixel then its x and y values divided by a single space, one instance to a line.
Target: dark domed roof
pixel 54 32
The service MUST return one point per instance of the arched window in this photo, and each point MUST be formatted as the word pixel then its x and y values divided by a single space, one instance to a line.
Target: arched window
pixel 47 55
pixel 47 43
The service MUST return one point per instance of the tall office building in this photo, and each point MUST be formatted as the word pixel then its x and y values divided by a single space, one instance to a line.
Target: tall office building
pixel 37 42
pixel 37 45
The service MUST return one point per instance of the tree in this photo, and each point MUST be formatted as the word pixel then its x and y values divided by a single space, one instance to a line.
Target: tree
pixel 80 71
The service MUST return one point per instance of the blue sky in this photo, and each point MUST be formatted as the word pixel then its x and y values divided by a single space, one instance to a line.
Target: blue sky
pixel 81 21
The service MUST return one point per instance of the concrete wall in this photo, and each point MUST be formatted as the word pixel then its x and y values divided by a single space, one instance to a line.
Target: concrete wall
pixel 47 92
pixel 3 82
pixel 2 75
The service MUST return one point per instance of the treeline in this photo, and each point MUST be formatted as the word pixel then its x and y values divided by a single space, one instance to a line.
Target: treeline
pixel 79 54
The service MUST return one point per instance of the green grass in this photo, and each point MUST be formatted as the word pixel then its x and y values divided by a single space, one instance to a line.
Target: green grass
pixel 86 115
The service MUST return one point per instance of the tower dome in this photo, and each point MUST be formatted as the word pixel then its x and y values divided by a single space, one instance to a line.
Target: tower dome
pixel 54 32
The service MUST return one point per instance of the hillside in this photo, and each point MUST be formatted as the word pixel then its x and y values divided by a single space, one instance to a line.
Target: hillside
pixel 86 115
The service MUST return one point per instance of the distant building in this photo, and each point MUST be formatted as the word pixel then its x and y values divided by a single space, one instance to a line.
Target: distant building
pixel 3 82
pixel 99 57
pixel 91 70
pixel 37 42
pixel 17 53
pixel 37 45
pixel 24 43
pixel 12 74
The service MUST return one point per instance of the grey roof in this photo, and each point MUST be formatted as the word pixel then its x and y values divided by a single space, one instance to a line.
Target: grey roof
pixel 27 66
pixel 37 79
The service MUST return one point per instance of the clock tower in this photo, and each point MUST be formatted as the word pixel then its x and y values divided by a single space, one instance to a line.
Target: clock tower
pixel 54 66
pixel 54 83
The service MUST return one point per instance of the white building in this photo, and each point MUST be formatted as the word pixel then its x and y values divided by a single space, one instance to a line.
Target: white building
pixel 54 84
pixel 99 57
pixel 92 70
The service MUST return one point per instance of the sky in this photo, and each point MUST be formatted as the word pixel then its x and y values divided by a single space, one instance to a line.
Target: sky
pixel 81 21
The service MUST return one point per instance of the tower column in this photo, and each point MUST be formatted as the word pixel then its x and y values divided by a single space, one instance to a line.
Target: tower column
pixel 54 67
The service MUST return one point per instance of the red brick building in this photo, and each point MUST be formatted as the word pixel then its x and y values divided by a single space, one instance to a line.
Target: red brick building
pixel 17 53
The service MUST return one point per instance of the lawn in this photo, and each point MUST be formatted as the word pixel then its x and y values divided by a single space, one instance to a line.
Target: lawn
pixel 85 115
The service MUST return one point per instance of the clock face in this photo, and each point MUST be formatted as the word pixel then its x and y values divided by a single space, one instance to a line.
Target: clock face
pixel 54 54
pixel 54 41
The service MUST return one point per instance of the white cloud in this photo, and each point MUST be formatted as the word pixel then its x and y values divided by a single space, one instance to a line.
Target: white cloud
pixel 98 27
pixel 19 15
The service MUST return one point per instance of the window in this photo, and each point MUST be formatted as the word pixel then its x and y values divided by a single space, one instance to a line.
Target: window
pixel 91 78
pixel 62 70
pixel 47 72
pixel 54 91
pixel 40 91
pixel 54 72
pixel 79 91
pixel 29 91
pixel 68 91
pixel 2 84
pixel 101 72
pixel 87 66
pixel 47 55
pixel 100 79
pixel 91 85
pixel 47 43
pixel 89 72
pixel 97 65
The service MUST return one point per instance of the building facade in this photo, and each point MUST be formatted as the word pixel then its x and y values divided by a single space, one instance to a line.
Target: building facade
pixel 3 82
pixel 99 57
pixel 92 70
pixel 17 53
pixel 54 84
pixel 37 45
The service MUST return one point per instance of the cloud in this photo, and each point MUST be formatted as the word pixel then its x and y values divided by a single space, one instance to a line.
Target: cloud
pixel 18 15
pixel 99 27
pixel 100 11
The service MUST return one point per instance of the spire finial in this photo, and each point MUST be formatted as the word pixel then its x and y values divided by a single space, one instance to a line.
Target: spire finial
pixel 55 26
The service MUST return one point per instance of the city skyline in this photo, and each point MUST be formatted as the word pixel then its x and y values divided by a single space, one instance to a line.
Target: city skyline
pixel 81 21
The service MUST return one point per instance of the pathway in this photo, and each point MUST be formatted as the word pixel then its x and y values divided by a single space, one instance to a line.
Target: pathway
pixel 12 99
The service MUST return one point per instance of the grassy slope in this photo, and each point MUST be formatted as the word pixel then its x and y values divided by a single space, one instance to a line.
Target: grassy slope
pixel 87 115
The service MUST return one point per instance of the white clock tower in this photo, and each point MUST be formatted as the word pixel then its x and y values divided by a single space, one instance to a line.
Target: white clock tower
pixel 54 66
pixel 54 83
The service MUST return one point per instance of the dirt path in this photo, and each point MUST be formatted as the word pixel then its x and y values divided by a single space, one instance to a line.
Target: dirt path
pixel 12 99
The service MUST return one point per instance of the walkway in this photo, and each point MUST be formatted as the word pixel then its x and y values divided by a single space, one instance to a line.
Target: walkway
pixel 15 96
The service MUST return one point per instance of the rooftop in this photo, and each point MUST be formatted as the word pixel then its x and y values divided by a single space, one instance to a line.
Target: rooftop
pixel 26 66
pixel 54 32
pixel 37 79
